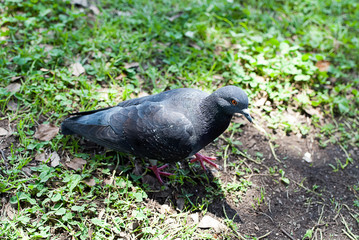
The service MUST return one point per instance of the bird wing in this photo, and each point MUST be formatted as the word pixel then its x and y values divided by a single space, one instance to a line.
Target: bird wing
pixel 148 130
pixel 135 101
pixel 155 130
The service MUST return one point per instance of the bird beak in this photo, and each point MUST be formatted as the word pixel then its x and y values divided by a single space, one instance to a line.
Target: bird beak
pixel 245 113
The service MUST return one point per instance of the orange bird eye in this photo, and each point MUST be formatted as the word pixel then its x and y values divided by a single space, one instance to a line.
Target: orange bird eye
pixel 234 102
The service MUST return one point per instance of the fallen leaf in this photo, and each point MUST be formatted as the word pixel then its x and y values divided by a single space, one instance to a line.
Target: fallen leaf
pixel 94 9
pixel 27 170
pixel 218 77
pixel 77 69
pixel 125 14
pixel 82 3
pixel 101 213
pixel 165 209
pixel 189 34
pixel 313 111
pixel 76 163
pixel 10 211
pixel 108 181
pixel 323 65
pixel 3 132
pixel 13 87
pixel 260 102
pixel 40 157
pixel 194 217
pixel 195 46
pixel 132 65
pixel 210 222
pixel 12 105
pixel 46 132
pixel 121 76
pixel 55 159
pixel 15 78
pixel 174 17
pixel 90 182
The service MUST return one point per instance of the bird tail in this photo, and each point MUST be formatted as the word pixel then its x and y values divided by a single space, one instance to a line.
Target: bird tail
pixel 68 123
pixel 65 130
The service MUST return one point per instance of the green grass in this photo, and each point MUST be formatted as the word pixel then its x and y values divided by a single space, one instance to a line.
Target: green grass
pixel 269 48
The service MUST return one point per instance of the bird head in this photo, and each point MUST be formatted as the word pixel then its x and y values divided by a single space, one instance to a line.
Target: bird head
pixel 231 100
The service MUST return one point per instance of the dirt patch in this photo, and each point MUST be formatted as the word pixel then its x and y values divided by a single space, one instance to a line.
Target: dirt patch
pixel 318 198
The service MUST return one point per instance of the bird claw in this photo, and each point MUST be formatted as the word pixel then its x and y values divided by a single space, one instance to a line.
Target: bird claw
pixel 201 159
pixel 157 171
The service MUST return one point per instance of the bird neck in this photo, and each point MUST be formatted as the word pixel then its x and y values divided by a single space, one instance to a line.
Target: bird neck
pixel 215 121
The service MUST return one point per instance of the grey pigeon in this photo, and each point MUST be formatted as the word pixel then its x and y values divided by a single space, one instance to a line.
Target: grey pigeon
pixel 169 126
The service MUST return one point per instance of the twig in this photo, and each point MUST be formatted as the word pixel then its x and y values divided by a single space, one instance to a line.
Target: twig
pixel 3 157
pixel 347 231
pixel 286 233
pixel 265 235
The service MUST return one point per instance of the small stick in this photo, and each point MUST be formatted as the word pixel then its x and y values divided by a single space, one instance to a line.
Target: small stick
pixel 3 156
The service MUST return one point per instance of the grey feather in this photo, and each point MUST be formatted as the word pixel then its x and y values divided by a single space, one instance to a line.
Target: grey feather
pixel 168 126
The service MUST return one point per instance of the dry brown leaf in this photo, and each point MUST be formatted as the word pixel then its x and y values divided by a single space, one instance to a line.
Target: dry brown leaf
pixel 260 102
pixel 77 69
pixel 218 77
pixel 90 182
pixel 125 14
pixel 13 87
pixel 3 132
pixel 40 157
pixel 15 78
pixel 174 17
pixel 94 9
pixel 121 76
pixel 132 65
pixel 210 222
pixel 82 3
pixel 194 217
pixel 10 211
pixel 12 105
pixel 108 181
pixel 46 132
pixel 195 46
pixel 323 66
pixel 55 159
pixel 76 163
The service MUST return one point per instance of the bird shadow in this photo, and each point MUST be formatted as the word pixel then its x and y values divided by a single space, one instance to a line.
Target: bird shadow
pixel 190 189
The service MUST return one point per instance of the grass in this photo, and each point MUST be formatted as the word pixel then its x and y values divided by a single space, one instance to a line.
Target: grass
pixel 275 50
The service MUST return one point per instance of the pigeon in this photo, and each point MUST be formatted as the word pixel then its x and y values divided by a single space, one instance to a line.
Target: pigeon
pixel 169 126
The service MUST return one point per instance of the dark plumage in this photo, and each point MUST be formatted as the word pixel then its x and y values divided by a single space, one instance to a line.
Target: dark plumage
pixel 168 126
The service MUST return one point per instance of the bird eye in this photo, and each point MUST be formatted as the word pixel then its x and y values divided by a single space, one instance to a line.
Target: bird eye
pixel 234 102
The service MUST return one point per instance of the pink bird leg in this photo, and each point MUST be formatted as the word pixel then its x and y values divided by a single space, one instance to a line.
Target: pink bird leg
pixel 157 171
pixel 201 159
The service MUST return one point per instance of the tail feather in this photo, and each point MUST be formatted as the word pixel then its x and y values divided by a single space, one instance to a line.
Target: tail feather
pixel 65 130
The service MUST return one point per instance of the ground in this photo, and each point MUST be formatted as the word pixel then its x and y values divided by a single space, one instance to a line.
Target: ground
pixel 291 175
pixel 308 197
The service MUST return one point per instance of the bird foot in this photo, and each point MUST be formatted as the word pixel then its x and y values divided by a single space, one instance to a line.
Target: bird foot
pixel 157 171
pixel 201 159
